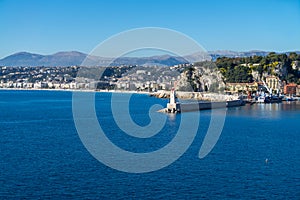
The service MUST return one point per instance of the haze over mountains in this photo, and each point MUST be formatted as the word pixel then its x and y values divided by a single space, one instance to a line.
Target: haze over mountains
pixel 70 58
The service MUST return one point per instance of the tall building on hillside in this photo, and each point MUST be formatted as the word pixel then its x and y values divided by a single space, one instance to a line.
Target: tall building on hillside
pixel 273 83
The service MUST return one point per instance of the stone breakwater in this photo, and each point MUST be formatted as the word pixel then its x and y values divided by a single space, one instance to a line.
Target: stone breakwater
pixel 201 96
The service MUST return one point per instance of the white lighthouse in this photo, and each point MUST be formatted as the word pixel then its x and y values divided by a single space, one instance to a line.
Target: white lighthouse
pixel 173 106
pixel 172 96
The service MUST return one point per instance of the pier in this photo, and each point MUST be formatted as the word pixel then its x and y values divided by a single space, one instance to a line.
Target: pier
pixel 175 107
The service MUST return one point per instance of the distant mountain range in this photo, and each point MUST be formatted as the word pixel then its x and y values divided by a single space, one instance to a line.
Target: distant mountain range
pixel 70 58
pixel 76 58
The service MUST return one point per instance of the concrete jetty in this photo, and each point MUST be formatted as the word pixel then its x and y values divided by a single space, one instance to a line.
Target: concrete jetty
pixel 175 107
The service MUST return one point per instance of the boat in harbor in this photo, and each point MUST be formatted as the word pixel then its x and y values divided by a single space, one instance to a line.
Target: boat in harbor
pixel 260 99
pixel 268 99
pixel 264 97
pixel 290 98
pixel 273 99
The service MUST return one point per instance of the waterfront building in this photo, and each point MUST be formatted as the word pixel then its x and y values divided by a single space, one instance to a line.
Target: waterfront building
pixel 235 88
pixel 290 89
pixel 273 83
pixel 298 90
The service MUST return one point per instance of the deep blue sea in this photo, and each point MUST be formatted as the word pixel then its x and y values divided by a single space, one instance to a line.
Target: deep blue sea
pixel 42 156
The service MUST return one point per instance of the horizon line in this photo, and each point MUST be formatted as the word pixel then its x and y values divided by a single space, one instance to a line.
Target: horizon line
pixel 165 53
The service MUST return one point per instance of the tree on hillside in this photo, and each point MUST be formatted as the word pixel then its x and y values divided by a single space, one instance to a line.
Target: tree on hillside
pixel 256 59
pixel 293 56
pixel 240 74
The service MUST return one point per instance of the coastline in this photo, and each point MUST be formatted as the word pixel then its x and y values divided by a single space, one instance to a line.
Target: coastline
pixel 77 90
pixel 159 94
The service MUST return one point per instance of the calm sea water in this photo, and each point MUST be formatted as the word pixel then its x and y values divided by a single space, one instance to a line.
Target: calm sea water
pixel 43 157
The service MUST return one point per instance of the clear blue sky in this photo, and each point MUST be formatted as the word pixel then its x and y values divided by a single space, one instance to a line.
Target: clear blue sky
pixel 49 26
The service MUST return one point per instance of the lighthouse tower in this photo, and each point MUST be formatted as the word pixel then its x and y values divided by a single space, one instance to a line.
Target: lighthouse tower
pixel 173 106
pixel 172 96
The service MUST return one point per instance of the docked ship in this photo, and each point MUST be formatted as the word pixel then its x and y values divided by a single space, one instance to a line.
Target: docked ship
pixel 264 97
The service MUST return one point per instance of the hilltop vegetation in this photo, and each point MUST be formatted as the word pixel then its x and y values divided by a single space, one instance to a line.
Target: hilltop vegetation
pixel 255 68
